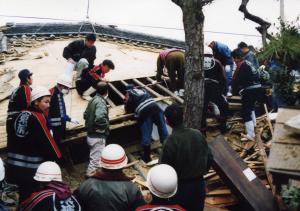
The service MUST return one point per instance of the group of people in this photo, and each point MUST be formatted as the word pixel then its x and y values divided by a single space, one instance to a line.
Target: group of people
pixel 36 126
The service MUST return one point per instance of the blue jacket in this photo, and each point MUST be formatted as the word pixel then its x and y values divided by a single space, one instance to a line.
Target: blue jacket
pixel 222 53
pixel 250 57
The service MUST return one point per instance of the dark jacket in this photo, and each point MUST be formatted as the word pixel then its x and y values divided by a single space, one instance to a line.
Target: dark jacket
pixel 141 103
pixel 244 76
pixel 109 191
pixel 77 50
pixel 57 116
pixel 214 72
pixel 186 150
pixel 250 57
pixel 150 207
pixel 222 53
pixel 20 99
pixel 29 143
pixel 56 196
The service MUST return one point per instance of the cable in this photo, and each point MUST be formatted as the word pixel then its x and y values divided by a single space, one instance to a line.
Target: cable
pixel 42 18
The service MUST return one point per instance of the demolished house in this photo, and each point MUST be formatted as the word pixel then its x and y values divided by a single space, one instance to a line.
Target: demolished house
pixel 238 180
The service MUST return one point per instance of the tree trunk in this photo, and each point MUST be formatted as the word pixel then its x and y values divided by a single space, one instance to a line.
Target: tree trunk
pixel 193 20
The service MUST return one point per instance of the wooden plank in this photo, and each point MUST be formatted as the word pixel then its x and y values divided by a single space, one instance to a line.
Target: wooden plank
pixel 116 91
pixel 151 91
pixel 137 167
pixel 239 178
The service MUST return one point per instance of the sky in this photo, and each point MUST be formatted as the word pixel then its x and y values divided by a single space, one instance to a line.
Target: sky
pixel 220 16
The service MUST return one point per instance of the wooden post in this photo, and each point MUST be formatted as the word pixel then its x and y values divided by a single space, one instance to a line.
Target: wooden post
pixel 269 120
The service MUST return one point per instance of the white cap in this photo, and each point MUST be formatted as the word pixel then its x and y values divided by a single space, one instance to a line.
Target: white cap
pixel 113 157
pixel 2 170
pixel 47 172
pixel 162 181
pixel 65 81
pixel 39 91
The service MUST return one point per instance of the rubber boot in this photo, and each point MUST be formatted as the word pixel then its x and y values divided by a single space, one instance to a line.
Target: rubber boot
pixel 253 117
pixel 250 129
pixel 146 156
pixel 87 93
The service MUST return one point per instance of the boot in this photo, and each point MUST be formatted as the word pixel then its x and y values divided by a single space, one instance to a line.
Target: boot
pixel 86 95
pixel 146 157
pixel 250 129
pixel 253 117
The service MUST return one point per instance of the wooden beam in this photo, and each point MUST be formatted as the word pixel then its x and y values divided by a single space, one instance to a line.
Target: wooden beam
pixel 110 102
pixel 116 91
pixel 124 83
pixel 146 87
pixel 137 167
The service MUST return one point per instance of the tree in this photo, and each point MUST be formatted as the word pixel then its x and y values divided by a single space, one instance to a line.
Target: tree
pixel 193 20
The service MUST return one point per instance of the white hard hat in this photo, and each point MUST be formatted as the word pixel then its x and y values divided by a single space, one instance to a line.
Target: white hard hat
pixel 47 172
pixel 39 91
pixel 2 170
pixel 65 81
pixel 113 157
pixel 162 181
pixel 207 50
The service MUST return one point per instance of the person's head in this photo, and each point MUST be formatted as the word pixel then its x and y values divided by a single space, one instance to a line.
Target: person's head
pixel 90 40
pixel 25 77
pixel 162 181
pixel 102 88
pixel 107 65
pixel 48 172
pixel 174 115
pixel 64 83
pixel 237 55
pixel 40 99
pixel 211 44
pixel 113 157
pixel 243 47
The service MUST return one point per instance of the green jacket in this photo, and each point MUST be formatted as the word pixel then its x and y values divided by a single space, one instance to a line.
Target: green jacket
pixel 186 150
pixel 96 117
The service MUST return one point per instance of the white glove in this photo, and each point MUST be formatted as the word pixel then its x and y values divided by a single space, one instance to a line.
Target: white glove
pixel 154 82
pixel 74 121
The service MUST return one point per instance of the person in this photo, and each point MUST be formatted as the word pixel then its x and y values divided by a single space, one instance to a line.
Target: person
pixel 85 86
pixel 248 54
pixel 170 62
pixel 215 83
pixel 162 183
pixel 109 189
pixel 97 124
pixel 246 83
pixel 29 142
pixel 80 49
pixel 53 194
pixel 223 53
pixel 20 97
pixel 58 117
pixel 147 112
pixel 186 150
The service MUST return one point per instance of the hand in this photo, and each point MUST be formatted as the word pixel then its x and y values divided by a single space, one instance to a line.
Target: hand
pixel 165 78
pixel 154 82
pixel 74 121
pixel 71 61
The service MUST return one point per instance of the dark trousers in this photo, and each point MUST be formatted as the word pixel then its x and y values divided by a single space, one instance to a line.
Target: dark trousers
pixel 214 93
pixel 59 134
pixel 191 194
pixel 146 127
pixel 175 67
pixel 249 98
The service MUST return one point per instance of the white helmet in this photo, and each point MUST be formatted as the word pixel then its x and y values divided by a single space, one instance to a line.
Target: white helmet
pixel 113 157
pixel 208 50
pixel 2 170
pixel 39 91
pixel 65 81
pixel 162 181
pixel 47 172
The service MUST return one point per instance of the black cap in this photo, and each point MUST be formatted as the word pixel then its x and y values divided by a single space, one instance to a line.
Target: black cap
pixel 109 63
pixel 24 74
pixel 242 45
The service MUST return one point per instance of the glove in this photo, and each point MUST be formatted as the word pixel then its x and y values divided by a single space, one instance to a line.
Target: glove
pixel 74 121
pixel 154 82
pixel 71 61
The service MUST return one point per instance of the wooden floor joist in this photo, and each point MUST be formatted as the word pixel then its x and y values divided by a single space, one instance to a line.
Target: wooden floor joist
pixel 116 90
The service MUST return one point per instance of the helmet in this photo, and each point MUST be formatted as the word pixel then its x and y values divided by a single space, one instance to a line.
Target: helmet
pixel 39 91
pixel 113 157
pixel 207 50
pixel 162 181
pixel 65 81
pixel 47 172
pixel 24 74
pixel 2 170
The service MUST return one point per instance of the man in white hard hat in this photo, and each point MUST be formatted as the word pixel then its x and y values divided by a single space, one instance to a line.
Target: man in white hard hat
pixel 109 189
pixel 58 117
pixel 162 183
pixel 29 142
pixel 53 193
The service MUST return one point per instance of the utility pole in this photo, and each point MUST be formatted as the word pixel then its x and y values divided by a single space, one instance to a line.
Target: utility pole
pixel 282 10
pixel 87 10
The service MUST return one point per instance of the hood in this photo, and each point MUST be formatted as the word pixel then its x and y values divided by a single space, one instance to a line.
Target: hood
pixel 61 189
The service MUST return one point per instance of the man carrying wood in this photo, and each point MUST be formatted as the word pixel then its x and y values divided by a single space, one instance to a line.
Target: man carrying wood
pixel 86 84
pixel 20 97
pixel 246 83
pixel 147 111
pixel 170 63
pixel 186 150
pixel 97 125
